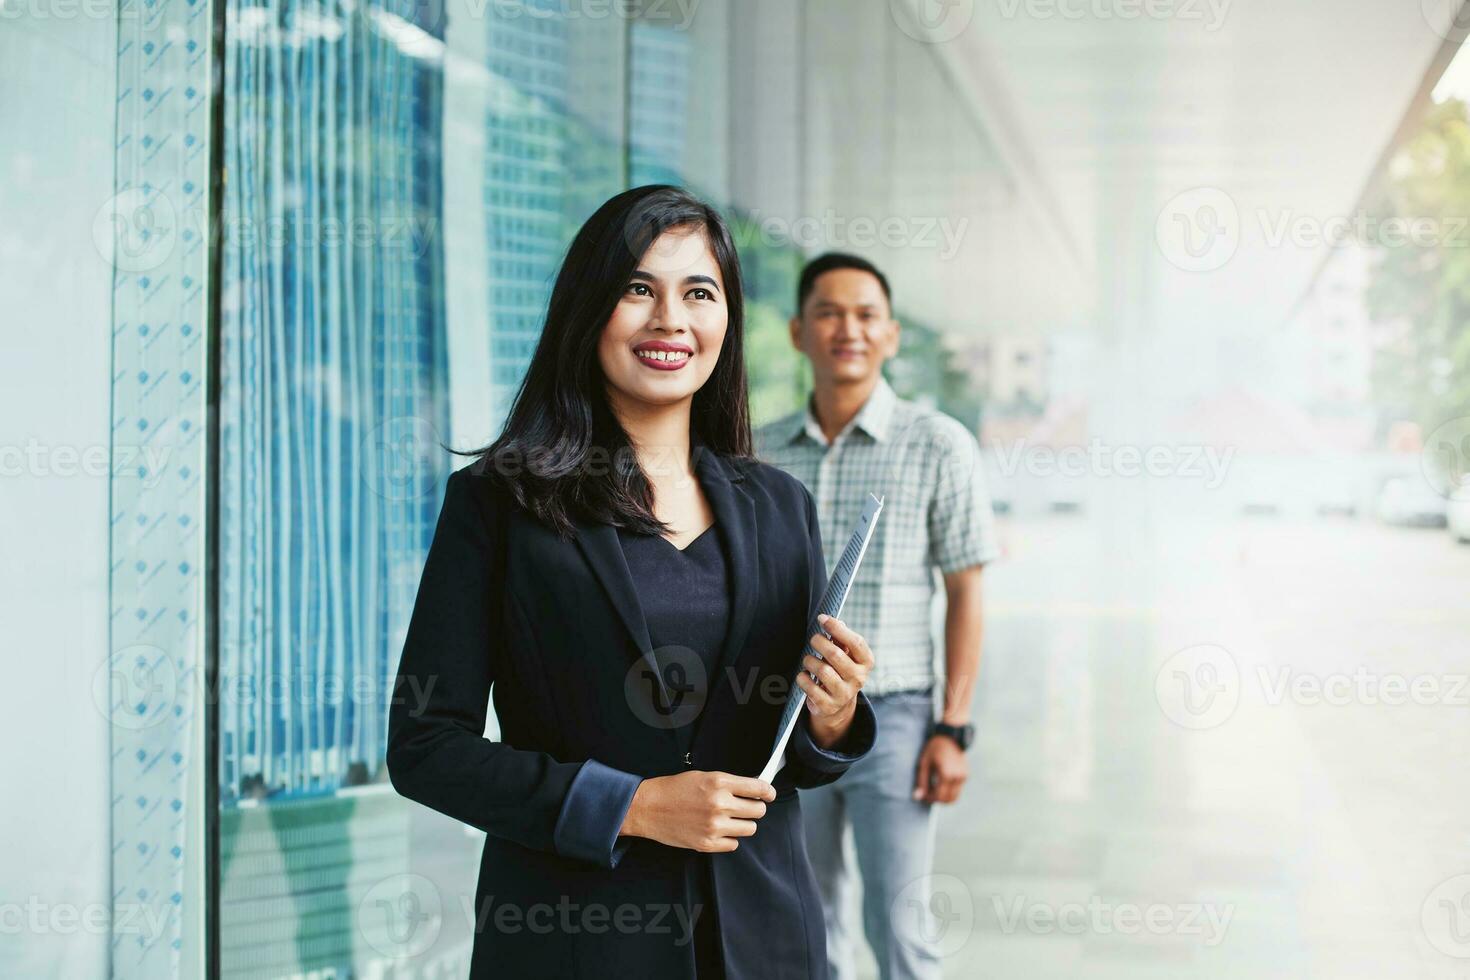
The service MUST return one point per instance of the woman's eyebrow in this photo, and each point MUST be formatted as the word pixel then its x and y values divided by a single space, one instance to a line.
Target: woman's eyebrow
pixel 688 280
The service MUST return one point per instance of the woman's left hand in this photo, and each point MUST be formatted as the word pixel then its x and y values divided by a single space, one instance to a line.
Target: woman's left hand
pixel 840 673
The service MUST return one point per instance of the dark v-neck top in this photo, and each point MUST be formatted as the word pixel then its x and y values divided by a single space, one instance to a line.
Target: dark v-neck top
pixel 685 597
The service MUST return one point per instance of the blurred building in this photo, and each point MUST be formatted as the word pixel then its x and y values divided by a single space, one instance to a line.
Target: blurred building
pixel 1335 334
pixel 1013 373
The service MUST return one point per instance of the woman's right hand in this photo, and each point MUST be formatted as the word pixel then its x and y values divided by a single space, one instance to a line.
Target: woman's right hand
pixel 701 811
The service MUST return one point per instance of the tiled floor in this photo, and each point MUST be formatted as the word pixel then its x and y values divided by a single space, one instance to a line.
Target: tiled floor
pixel 1291 836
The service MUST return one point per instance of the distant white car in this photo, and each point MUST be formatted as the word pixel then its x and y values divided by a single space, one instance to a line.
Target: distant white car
pixel 1410 502
pixel 1457 513
pixel 1261 495
pixel 1066 495
pixel 1336 499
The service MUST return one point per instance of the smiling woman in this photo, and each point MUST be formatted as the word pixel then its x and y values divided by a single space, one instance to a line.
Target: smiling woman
pixel 642 310
pixel 671 315
pixel 638 686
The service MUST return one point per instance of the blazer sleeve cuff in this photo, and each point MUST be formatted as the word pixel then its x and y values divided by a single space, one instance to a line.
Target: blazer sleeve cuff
pixel 592 814
pixel 858 741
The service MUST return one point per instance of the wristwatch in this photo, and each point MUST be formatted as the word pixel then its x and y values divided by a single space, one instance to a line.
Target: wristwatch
pixel 963 735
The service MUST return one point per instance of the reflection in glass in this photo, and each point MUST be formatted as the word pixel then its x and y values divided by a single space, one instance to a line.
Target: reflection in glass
pixel 340 318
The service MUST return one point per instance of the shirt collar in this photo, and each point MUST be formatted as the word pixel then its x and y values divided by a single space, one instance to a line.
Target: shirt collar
pixel 875 417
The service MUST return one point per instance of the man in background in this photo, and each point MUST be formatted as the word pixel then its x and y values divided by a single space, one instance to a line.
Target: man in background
pixel 857 436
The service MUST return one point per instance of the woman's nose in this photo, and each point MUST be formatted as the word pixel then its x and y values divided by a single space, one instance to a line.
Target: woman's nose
pixel 670 316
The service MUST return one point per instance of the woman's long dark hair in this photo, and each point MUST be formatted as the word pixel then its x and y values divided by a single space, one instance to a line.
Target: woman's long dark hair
pixel 563 454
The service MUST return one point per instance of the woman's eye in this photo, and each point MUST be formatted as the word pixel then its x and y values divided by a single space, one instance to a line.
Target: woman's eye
pixel 701 294
pixel 639 289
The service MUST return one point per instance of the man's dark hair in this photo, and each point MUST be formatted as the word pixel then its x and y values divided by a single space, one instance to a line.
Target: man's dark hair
pixel 832 261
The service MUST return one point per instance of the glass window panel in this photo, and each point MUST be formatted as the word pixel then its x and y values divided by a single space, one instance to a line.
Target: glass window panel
pixel 402 180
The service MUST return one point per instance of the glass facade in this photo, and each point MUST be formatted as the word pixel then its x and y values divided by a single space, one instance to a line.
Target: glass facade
pixel 333 363
pixel 657 105
pixel 395 184
pixel 402 182
pixel 333 387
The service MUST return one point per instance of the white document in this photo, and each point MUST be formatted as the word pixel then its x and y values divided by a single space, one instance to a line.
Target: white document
pixel 831 604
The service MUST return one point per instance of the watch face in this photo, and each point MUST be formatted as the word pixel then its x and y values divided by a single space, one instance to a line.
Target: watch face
pixel 962 734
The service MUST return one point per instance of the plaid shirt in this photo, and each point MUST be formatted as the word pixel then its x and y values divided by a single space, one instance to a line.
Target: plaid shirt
pixel 936 518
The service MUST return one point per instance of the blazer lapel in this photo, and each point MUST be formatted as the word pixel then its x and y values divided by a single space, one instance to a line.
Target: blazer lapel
pixel 735 514
pixel 599 543
pixel 604 552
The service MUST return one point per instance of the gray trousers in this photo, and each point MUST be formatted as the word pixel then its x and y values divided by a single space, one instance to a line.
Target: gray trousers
pixel 894 841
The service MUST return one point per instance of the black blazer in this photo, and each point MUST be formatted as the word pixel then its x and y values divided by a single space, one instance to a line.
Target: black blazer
pixel 552 627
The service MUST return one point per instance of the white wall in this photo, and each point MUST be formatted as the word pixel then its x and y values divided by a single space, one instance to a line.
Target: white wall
pixel 56 159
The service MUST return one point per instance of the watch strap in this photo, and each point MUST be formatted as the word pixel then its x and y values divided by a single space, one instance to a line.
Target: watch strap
pixel 962 734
